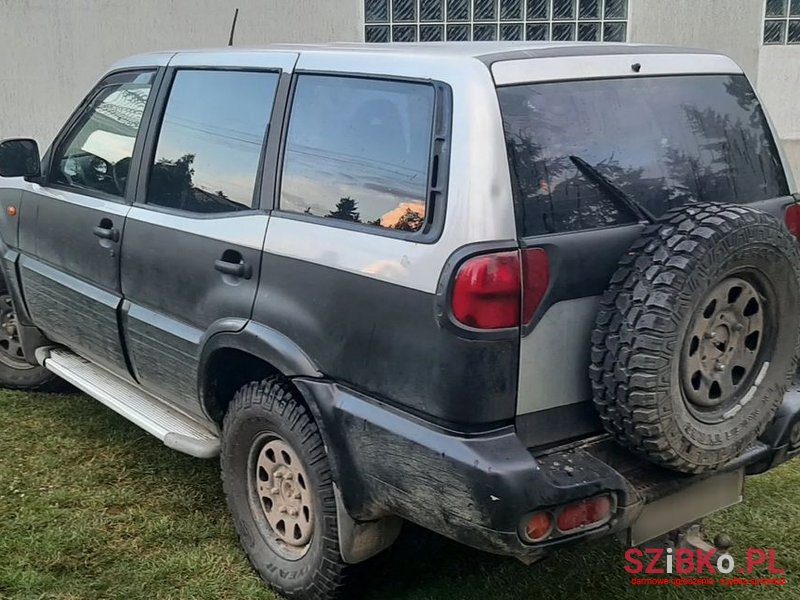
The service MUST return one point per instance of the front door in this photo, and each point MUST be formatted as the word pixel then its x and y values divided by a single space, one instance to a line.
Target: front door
pixel 71 225
pixel 193 240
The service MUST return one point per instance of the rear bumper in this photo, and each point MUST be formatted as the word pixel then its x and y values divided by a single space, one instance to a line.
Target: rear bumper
pixel 476 489
pixel 782 437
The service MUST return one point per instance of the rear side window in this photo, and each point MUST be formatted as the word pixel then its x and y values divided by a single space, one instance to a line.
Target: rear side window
pixel 664 141
pixel 209 146
pixel 359 150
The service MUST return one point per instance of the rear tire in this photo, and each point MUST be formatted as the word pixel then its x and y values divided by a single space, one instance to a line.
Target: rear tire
pixel 697 336
pixel 279 488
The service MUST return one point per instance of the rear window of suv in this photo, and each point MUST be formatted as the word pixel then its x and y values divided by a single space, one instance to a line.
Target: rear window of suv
pixel 664 141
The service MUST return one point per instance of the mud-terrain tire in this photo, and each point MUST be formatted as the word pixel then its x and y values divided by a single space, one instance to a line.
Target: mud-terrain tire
pixel 16 373
pixel 269 434
pixel 697 335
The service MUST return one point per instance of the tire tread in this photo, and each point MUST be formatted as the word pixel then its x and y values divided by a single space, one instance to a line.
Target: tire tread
pixel 274 396
pixel 636 325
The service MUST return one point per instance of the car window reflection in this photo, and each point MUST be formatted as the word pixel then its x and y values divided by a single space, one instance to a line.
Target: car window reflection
pixel 210 141
pixel 98 154
pixel 359 150
pixel 664 141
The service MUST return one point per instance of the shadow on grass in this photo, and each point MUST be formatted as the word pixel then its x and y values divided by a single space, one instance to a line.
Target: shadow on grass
pixel 420 562
pixel 144 460
pixel 423 562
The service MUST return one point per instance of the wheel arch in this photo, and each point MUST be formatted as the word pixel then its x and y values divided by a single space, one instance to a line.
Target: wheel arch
pixel 237 353
pixel 256 352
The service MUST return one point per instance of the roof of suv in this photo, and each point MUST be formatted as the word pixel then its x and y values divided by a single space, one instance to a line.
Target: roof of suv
pixel 488 52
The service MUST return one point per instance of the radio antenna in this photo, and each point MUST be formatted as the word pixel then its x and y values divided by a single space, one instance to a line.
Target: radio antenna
pixel 233 27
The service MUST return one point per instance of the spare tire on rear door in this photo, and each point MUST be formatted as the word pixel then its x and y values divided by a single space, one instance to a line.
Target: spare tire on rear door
pixel 697 336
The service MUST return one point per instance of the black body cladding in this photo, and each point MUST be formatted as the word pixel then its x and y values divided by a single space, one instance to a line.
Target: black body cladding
pixel 388 462
pixel 384 340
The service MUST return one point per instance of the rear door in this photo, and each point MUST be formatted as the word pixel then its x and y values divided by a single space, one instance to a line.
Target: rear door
pixel 71 225
pixel 666 142
pixel 192 249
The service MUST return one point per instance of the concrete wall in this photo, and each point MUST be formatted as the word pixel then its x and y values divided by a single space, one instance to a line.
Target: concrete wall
pixel 53 51
pixel 732 27
pixel 779 87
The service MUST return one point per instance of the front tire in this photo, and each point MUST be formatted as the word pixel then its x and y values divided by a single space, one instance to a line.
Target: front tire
pixel 279 489
pixel 16 373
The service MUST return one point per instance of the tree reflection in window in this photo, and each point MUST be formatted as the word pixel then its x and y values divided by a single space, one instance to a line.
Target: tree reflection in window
pixel 358 150
pixel 408 216
pixel 666 142
pixel 210 142
pixel 174 180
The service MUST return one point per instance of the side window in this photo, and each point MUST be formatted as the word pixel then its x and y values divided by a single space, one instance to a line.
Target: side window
pixel 359 150
pixel 209 146
pixel 96 155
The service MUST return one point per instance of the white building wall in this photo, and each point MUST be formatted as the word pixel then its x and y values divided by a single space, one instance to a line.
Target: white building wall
pixel 53 51
pixel 732 27
pixel 779 87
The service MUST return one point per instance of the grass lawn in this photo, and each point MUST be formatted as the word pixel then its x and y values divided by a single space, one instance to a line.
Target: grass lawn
pixel 91 507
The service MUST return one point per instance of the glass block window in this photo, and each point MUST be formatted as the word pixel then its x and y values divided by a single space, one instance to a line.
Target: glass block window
pixel 782 22
pixel 506 20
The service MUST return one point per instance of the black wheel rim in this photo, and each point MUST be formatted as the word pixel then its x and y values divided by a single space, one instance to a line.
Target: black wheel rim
pixel 725 351
pixel 10 348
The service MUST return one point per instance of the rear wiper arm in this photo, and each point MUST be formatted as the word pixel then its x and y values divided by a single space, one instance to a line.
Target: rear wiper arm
pixel 611 189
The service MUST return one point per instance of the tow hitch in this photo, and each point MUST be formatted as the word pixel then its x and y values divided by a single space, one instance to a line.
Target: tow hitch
pixel 692 537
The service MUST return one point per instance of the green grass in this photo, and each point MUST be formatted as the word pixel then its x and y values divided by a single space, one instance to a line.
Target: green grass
pixel 93 508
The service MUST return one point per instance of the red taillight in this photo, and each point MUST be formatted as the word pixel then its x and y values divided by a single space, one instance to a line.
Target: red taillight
pixel 487 291
pixel 536 278
pixel 792 219
pixel 539 526
pixel 493 291
pixel 586 512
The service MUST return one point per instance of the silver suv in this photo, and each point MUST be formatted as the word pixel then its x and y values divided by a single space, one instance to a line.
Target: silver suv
pixel 523 295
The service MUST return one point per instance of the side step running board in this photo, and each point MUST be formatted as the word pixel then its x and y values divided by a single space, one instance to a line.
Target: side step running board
pixel 176 429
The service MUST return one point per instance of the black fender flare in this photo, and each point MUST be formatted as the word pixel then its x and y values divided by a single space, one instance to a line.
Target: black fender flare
pixel 261 341
pixel 30 336
pixel 9 258
pixel 258 340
